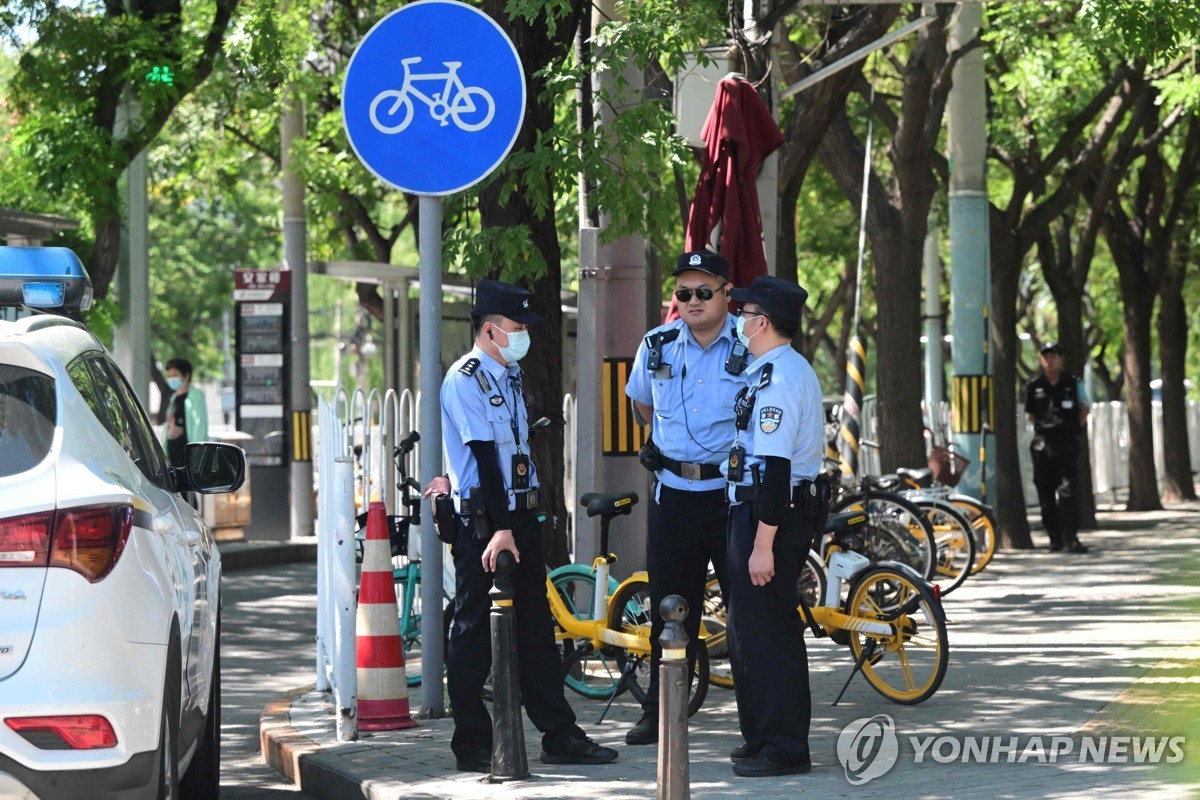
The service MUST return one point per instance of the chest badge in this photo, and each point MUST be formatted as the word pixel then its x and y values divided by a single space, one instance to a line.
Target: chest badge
pixel 769 418
pixel 496 400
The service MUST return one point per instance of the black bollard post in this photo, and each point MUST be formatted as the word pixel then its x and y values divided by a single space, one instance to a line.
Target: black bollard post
pixel 673 679
pixel 509 762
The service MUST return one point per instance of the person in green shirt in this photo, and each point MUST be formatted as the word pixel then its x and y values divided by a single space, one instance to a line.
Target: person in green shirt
pixel 187 415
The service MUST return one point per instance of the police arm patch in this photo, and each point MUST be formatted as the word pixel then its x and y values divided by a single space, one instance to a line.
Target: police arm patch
pixel 769 418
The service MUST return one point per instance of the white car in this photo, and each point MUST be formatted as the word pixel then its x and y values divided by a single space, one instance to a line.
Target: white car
pixel 109 579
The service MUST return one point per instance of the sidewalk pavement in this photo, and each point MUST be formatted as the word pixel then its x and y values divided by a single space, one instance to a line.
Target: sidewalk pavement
pixel 241 555
pixel 1052 644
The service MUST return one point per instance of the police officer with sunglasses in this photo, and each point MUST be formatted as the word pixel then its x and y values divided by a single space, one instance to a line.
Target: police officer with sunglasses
pixel 683 383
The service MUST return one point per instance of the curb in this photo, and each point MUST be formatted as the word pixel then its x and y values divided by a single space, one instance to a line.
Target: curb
pixel 236 556
pixel 308 766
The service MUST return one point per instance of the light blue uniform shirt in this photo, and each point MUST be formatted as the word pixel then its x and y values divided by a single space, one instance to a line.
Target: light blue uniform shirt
pixel 692 401
pixel 471 413
pixel 788 419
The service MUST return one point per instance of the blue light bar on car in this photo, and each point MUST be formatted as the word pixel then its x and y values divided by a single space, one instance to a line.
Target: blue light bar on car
pixel 43 278
pixel 43 294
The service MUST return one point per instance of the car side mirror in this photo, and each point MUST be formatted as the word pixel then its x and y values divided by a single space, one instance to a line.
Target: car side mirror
pixel 213 468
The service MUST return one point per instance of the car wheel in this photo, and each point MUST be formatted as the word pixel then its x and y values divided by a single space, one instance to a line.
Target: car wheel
pixel 202 781
pixel 168 759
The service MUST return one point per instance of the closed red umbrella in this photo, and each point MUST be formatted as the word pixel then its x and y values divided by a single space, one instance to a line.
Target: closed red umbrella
pixel 738 136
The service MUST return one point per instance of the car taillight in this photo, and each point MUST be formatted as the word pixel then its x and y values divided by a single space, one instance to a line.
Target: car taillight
pixel 89 539
pixel 80 732
pixel 25 541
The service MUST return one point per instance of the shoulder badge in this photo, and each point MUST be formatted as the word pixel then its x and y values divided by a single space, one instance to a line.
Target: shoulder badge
pixel 769 418
pixel 765 380
pixel 469 366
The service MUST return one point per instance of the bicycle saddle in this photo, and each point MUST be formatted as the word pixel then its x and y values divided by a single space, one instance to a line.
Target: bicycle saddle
pixel 615 503
pixel 888 482
pixel 922 476
pixel 848 522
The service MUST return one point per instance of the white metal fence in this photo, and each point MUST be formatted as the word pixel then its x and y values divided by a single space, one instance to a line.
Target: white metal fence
pixel 1108 438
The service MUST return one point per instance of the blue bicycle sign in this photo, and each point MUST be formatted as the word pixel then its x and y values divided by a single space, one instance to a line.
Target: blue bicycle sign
pixel 434 97
pixel 455 101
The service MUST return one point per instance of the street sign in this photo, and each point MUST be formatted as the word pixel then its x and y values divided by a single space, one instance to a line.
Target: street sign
pixel 434 97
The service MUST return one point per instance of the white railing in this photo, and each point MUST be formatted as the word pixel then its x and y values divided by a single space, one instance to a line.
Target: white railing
pixel 1108 439
pixel 336 597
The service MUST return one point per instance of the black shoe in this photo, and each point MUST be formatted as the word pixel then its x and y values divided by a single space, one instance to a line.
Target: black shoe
pixel 743 752
pixel 760 766
pixel 1056 547
pixel 645 732
pixel 479 761
pixel 578 749
pixel 1077 547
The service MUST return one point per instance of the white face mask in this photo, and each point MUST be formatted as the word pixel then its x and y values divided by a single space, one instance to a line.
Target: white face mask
pixel 517 347
pixel 741 331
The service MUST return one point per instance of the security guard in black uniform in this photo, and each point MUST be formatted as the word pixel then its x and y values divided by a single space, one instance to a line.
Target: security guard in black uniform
pixel 685 377
pixel 1057 404
pixel 776 503
pixel 494 488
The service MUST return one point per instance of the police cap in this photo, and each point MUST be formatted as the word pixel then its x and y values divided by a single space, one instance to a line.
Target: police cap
pixel 703 261
pixel 775 296
pixel 1051 347
pixel 505 299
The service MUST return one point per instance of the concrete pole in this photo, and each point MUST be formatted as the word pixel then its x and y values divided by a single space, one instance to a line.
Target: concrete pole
pixel 612 299
pixel 970 281
pixel 430 212
pixel 295 259
pixel 131 341
pixel 934 369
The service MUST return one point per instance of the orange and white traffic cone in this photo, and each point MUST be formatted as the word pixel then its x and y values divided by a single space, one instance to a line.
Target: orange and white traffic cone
pixel 382 687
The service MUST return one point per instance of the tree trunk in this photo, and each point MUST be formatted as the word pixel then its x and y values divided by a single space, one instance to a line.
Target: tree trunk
pixel 1009 501
pixel 899 380
pixel 1143 478
pixel 106 251
pixel 1172 348
pixel 543 371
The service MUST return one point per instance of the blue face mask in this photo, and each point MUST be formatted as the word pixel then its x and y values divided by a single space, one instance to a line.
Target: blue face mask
pixel 174 383
pixel 517 347
pixel 741 331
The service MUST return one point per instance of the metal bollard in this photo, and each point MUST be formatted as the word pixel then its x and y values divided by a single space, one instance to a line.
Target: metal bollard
pixel 673 679
pixel 509 762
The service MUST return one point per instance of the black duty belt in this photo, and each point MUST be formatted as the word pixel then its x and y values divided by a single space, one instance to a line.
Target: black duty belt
pixel 525 501
pixel 691 471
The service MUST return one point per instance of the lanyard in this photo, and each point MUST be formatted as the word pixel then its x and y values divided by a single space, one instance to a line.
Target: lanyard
pixel 514 381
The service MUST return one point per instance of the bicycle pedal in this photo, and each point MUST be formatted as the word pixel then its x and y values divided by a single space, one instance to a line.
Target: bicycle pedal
pixel 875 658
pixel 840 636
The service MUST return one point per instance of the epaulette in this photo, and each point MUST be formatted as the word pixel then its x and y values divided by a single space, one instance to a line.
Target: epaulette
pixel 765 380
pixel 470 368
pixel 662 337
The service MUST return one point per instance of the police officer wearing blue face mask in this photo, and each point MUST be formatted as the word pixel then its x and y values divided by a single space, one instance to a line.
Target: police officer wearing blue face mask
pixel 775 505
pixel 684 379
pixel 485 430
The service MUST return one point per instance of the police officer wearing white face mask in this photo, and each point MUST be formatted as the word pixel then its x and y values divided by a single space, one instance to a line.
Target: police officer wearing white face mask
pixel 775 506
pixel 485 430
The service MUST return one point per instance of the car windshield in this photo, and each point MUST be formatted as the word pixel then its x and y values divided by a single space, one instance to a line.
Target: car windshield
pixel 28 409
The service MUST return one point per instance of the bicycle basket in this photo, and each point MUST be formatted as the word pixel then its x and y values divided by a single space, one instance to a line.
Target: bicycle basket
pixel 947 466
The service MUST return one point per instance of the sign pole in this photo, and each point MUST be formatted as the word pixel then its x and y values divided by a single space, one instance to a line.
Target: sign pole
pixel 430 231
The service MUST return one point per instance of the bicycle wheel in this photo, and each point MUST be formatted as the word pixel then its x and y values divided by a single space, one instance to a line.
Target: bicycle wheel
pixel 472 114
pixel 896 530
pixel 390 123
pixel 629 612
pixel 983 528
pixel 586 672
pixel 908 665
pixel 813 580
pixel 715 634
pixel 955 543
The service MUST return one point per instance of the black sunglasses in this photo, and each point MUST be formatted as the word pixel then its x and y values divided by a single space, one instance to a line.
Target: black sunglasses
pixel 685 295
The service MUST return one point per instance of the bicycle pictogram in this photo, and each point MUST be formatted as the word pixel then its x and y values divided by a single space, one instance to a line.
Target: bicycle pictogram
pixel 471 107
